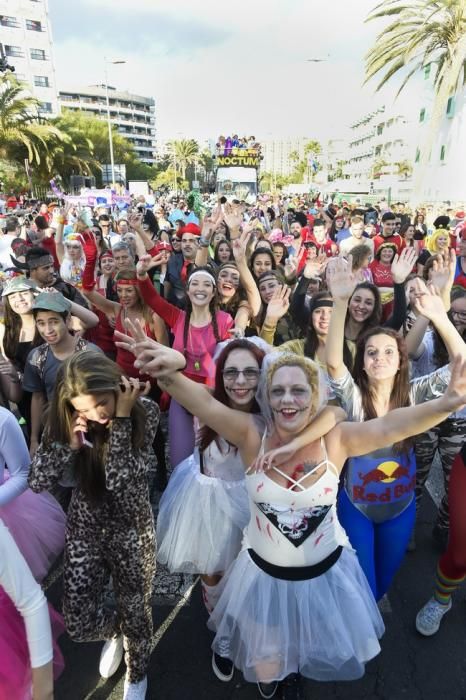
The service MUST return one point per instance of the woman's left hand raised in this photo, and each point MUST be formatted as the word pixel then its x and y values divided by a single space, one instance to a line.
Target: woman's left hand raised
pixel 130 391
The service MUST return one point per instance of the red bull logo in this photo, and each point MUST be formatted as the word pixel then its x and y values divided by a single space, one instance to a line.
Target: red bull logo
pixel 384 473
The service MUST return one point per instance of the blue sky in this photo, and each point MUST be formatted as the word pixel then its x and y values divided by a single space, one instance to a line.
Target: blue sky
pixel 228 67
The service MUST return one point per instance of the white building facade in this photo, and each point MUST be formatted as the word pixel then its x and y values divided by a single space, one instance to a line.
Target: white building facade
pixel 444 176
pixel 132 115
pixel 276 155
pixel 26 37
pixel 378 143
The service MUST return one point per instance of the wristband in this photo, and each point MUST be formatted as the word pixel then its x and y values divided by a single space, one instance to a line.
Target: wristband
pixel 203 242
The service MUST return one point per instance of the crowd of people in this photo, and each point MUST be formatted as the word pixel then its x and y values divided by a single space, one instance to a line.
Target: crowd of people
pixel 311 361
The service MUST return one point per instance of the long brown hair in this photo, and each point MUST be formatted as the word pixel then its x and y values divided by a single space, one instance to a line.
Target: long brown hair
pixel 13 326
pixel 88 372
pixel 206 434
pixel 399 396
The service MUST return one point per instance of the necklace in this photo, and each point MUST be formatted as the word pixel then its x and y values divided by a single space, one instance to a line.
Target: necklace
pixel 197 356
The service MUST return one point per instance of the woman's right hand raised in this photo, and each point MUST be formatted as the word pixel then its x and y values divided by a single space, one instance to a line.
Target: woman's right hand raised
pixel 341 280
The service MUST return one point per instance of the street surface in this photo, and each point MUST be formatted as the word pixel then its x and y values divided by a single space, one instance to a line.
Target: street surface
pixel 409 666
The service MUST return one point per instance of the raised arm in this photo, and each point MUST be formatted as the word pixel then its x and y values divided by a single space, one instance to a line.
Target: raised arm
pixel 401 267
pixel 166 366
pixel 342 283
pixel 239 245
pixel 431 306
pixel 168 312
pixel 353 439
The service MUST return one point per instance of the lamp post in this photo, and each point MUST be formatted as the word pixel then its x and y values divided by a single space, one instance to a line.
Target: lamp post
pixel 110 136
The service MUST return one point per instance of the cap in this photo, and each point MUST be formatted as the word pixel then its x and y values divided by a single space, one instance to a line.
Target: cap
pixel 459 215
pixel 52 301
pixel 18 284
pixel 189 228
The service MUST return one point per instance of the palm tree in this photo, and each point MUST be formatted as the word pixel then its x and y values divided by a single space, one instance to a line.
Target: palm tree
pixel 423 33
pixel 22 131
pixel 404 168
pixel 377 167
pixel 185 152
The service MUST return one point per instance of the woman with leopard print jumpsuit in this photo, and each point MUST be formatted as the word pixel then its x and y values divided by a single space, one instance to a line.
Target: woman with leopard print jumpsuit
pixel 99 432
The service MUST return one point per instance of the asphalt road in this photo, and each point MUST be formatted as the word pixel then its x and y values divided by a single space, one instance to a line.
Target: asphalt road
pixel 409 666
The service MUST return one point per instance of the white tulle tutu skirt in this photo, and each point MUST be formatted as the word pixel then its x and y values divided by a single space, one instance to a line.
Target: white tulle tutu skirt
pixel 201 521
pixel 326 627
pixel 37 524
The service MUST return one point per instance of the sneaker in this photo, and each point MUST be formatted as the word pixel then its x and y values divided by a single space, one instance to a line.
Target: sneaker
pixel 111 656
pixel 135 691
pixel 222 667
pixel 290 687
pixel 267 690
pixel 430 616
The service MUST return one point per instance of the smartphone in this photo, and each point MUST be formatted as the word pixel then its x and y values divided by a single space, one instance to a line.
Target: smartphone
pixel 82 437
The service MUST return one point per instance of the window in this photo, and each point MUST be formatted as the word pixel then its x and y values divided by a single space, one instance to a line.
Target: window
pixel 450 107
pixel 16 51
pixel 9 22
pixel 33 25
pixel 41 81
pixel 442 153
pixel 45 107
pixel 418 155
pixel 38 54
pixel 422 114
pixel 427 71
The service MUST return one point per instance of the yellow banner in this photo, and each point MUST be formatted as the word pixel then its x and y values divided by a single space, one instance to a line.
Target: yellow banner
pixel 243 161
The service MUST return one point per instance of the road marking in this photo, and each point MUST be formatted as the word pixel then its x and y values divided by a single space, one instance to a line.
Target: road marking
pixel 169 620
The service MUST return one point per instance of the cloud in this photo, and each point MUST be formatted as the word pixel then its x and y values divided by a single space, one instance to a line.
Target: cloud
pixel 226 67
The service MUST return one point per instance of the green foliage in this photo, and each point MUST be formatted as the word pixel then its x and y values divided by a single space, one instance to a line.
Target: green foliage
pixel 23 133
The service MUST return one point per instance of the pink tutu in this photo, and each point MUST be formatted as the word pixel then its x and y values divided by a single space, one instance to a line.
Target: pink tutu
pixel 15 668
pixel 37 524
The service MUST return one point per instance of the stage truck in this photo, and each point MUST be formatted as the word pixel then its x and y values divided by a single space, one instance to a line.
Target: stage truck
pixel 237 171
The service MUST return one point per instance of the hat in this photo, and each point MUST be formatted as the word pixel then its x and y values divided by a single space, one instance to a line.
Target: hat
pixel 189 228
pixel 441 222
pixel 163 245
pixel 459 215
pixel 52 301
pixel 17 284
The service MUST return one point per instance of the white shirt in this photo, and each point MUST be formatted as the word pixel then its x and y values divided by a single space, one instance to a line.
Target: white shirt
pixel 5 250
pixel 347 244
pixel 28 598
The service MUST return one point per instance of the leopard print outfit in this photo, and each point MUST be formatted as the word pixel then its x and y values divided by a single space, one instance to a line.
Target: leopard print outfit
pixel 115 537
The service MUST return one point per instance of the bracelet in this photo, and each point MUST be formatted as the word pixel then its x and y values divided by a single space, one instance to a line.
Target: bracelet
pixel 203 242
pixel 61 220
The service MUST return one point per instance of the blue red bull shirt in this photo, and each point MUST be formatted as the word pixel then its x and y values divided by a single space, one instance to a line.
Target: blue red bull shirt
pixel 381 484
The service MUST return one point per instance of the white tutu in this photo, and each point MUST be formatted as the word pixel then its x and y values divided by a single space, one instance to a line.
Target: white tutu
pixel 326 627
pixel 201 520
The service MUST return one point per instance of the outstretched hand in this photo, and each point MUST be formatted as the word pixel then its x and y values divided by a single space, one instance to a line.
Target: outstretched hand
pixel 403 264
pixel 341 280
pixel 152 358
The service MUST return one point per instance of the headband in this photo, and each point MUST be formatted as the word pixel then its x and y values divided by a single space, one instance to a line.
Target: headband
pixel 127 283
pixel 323 302
pixel 196 273
pixel 107 254
pixel 43 261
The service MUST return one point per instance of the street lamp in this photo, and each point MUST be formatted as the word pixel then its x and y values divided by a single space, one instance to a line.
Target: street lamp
pixel 110 136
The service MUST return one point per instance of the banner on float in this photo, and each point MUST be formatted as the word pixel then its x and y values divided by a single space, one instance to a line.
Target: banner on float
pixel 92 197
pixel 243 161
